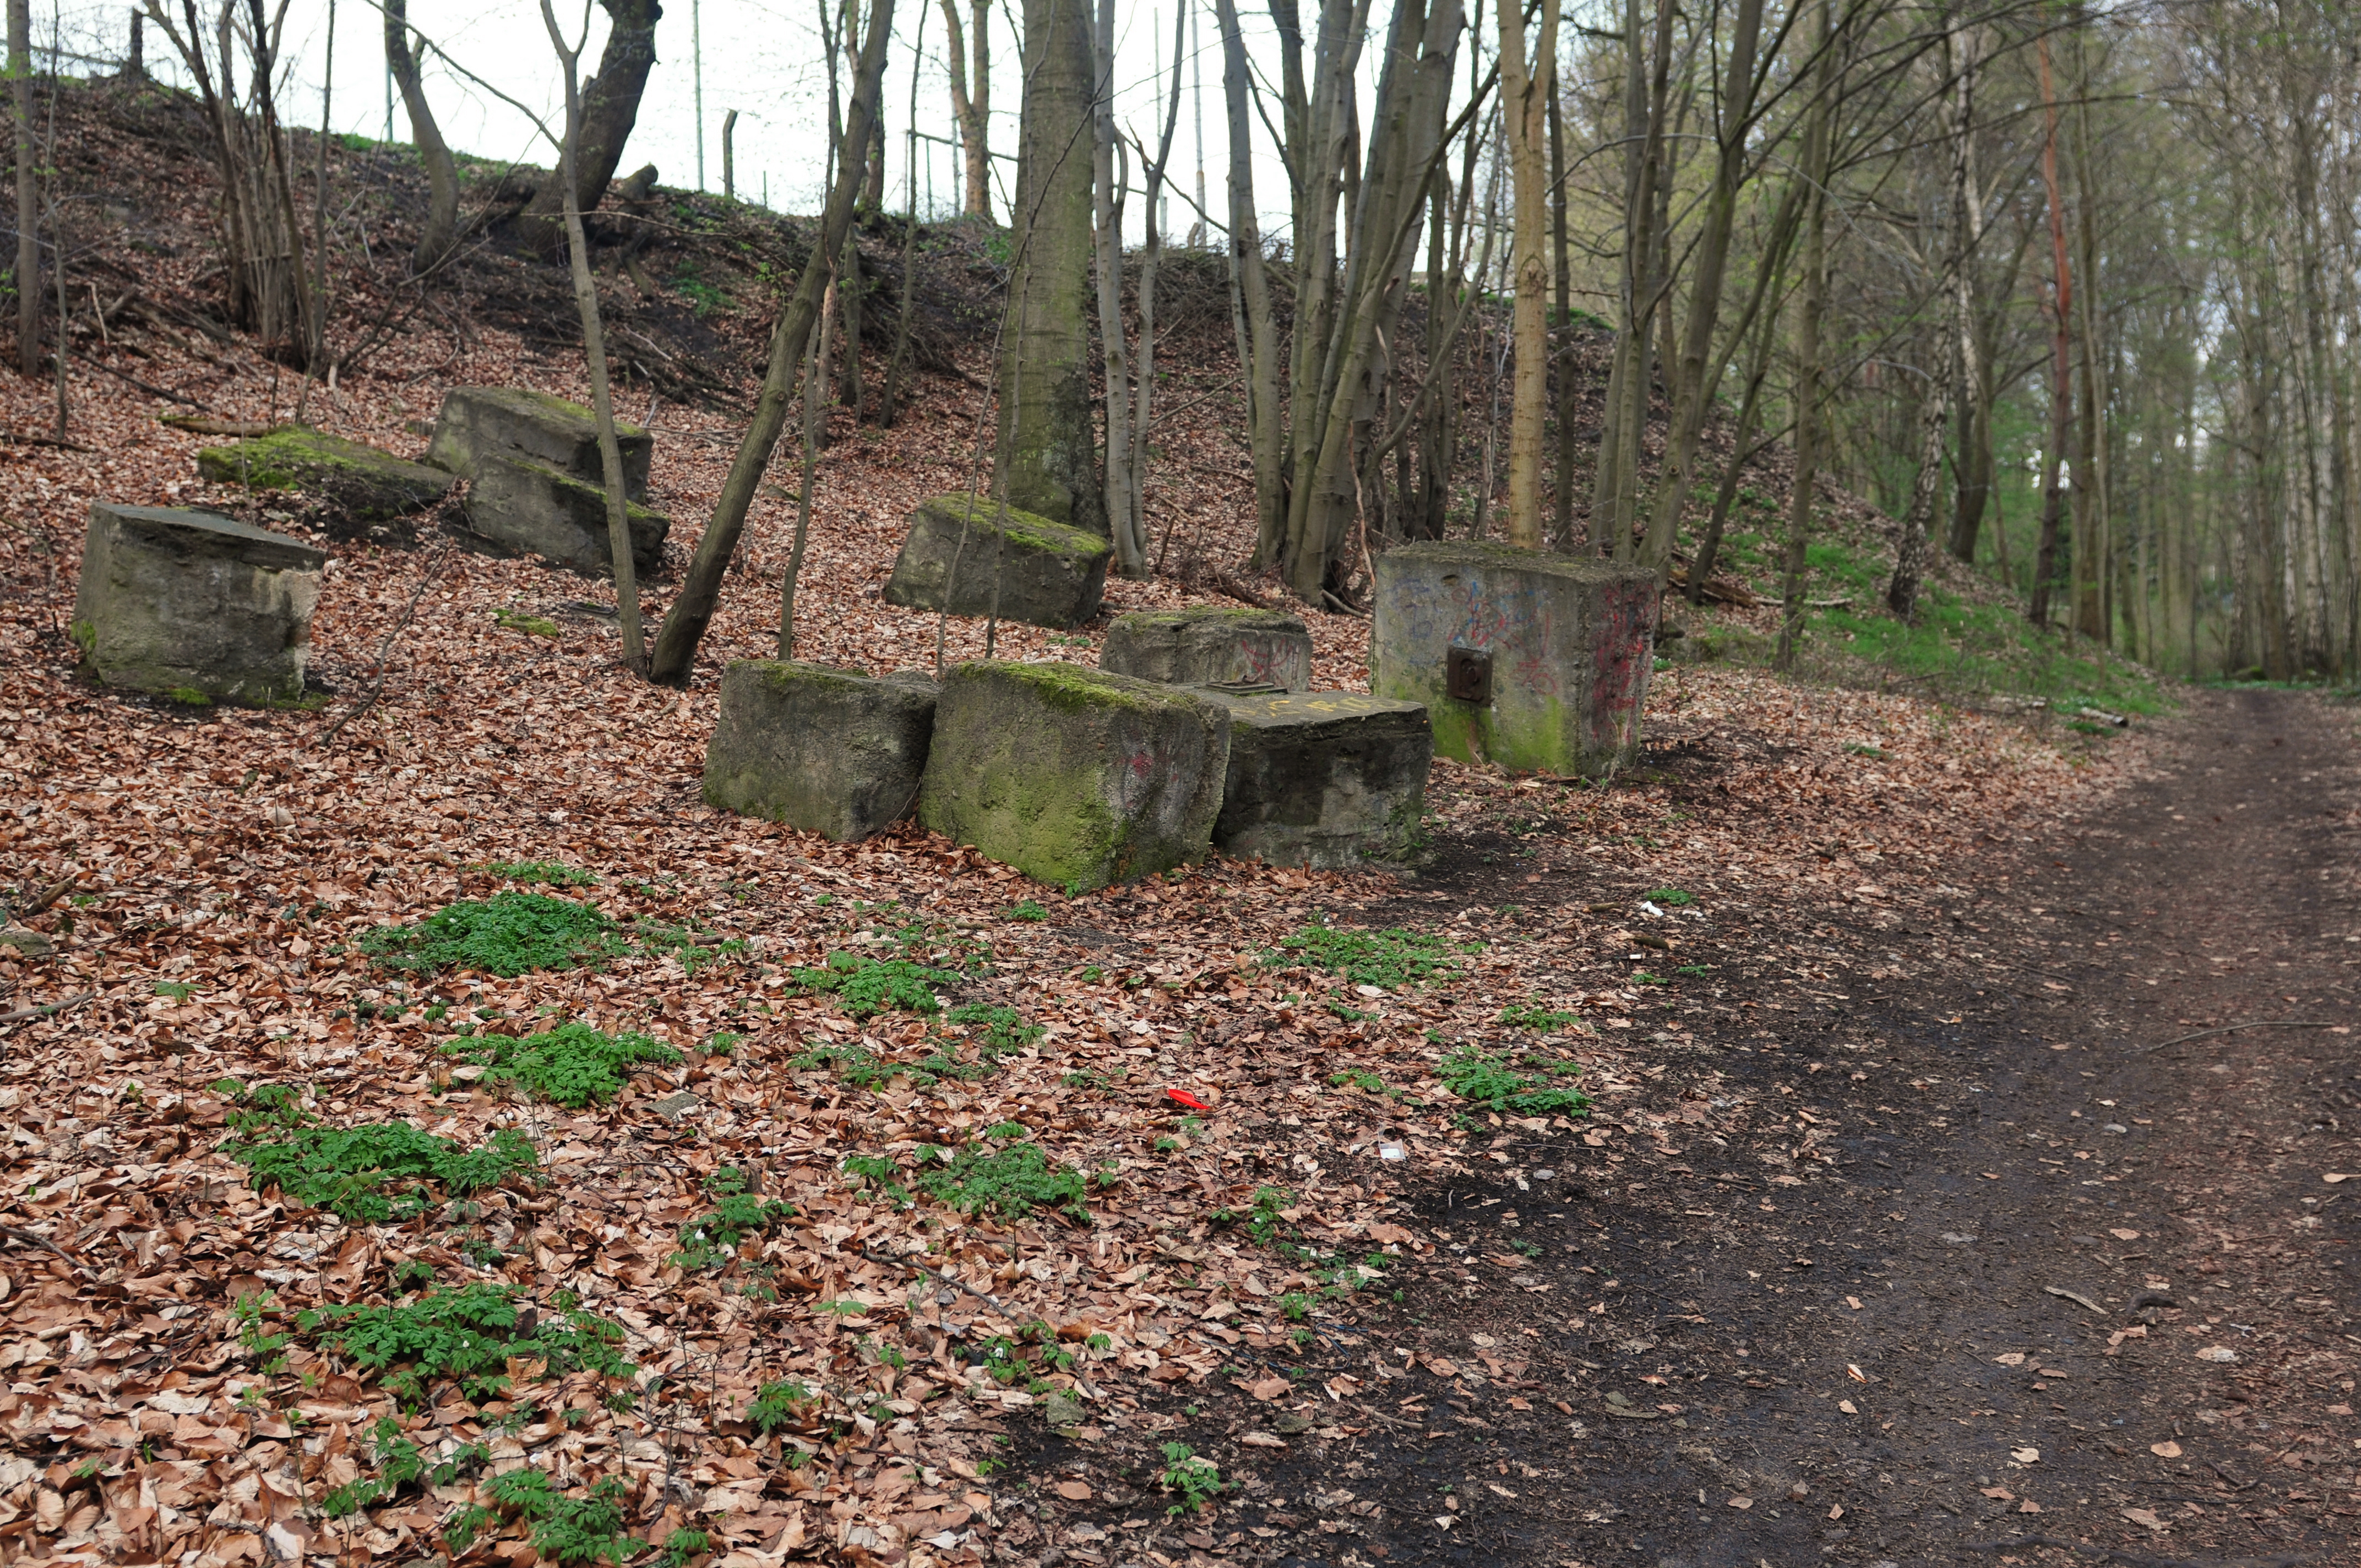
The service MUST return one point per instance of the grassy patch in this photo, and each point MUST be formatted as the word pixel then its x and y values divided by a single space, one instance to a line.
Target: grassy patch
pixel 378 1175
pixel 468 1336
pixel 1482 1079
pixel 1391 958
pixel 572 1065
pixel 1014 1181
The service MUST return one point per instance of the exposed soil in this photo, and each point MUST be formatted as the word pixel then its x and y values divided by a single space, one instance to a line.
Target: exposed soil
pixel 1867 1360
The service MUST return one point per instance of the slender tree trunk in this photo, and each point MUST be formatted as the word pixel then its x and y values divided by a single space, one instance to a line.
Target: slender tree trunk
pixel 971 77
pixel 1267 436
pixel 1691 388
pixel 891 408
pixel 1808 419
pixel 441 225
pixel 1107 192
pixel 815 377
pixel 1525 92
pixel 28 200
pixel 1562 259
pixel 1971 398
pixel 593 347
pixel 700 589
pixel 2062 382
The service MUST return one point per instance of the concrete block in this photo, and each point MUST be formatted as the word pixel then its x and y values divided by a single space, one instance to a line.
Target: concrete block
pixel 1211 647
pixel 1323 779
pixel 1552 653
pixel 1049 573
pixel 360 482
pixel 533 507
pixel 830 752
pixel 1076 777
pixel 477 423
pixel 195 606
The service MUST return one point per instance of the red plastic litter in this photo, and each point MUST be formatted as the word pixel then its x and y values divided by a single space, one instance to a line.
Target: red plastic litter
pixel 1185 1097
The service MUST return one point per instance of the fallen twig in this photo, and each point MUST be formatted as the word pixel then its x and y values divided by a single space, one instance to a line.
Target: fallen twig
pixel 47 1009
pixel 42 1242
pixel 2233 1028
pixel 2078 1300
pixel 937 1274
pixel 425 581
pixel 152 390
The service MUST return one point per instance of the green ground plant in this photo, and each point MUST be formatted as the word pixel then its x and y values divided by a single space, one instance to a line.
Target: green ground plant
pixel 1198 1480
pixel 1482 1079
pixel 1013 1181
pixel 863 986
pixel 378 1175
pixel 780 1404
pixel 736 1214
pixel 589 1528
pixel 1391 958
pixel 1533 1016
pixel 507 935
pixel 572 1065
pixel 549 873
pixel 400 1462
pixel 466 1336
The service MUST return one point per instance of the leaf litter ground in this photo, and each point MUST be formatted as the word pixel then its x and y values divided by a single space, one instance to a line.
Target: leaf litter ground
pixel 872 1230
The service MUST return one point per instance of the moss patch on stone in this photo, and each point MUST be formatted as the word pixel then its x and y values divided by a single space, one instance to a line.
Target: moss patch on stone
pixel 1023 527
pixel 367 484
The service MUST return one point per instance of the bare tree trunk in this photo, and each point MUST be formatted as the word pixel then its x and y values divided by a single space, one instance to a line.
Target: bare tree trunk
pixel 1818 137
pixel 1108 188
pixel 892 407
pixel 815 377
pixel 972 98
pixel 29 210
pixel 1562 508
pixel 729 156
pixel 1152 262
pixel 700 589
pixel 1693 388
pixel 610 107
pixel 593 347
pixel 441 225
pixel 2061 384
pixel 1972 398
pixel 1525 93
pixel 1044 459
pixel 1265 438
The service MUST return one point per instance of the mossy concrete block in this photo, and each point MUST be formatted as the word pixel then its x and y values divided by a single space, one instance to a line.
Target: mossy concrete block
pixel 1554 651
pixel 531 506
pixel 362 482
pixel 1077 777
pixel 194 604
pixel 830 752
pixel 1047 574
pixel 477 423
pixel 1323 779
pixel 1211 647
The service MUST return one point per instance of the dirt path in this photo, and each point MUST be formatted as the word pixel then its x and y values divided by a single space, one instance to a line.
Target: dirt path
pixel 2032 1285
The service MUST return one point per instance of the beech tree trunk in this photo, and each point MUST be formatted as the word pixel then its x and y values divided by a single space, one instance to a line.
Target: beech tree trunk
pixel 1045 457
pixel 1525 92
pixel 28 208
pixel 610 107
pixel 969 59
pixel 442 223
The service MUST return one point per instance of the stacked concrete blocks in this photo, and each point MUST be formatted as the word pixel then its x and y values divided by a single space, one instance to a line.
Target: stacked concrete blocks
pixel 986 559
pixel 1329 780
pixel 1549 655
pixel 195 606
pixel 830 752
pixel 1077 777
pixel 1211 647
pixel 535 479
